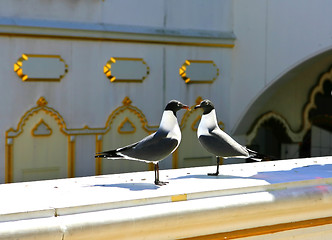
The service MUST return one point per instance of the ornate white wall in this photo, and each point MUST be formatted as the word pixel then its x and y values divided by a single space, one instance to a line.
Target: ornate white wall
pixel 248 44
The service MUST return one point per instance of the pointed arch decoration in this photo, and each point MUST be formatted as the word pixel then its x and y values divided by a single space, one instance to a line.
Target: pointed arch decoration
pixel 113 135
pixel 126 126
pixel 41 129
pixel 21 141
pixel 295 136
pixel 42 123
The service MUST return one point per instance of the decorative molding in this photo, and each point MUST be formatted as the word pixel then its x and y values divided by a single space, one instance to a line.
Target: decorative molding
pixel 187 114
pixel 11 134
pixel 71 157
pixel 267 116
pixel 41 106
pixel 194 125
pixel 319 88
pixel 119 69
pixel 64 30
pixel 41 129
pixel 126 127
pixel 296 136
pixel 33 67
pixel 199 71
pixel 99 148
pixel 128 106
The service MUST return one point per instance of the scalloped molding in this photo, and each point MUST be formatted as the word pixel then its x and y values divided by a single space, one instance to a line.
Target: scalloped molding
pixel 11 134
pixel 296 136
pixel 42 105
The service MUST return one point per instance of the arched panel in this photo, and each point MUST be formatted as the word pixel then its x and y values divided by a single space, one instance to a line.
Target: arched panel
pixel 39 148
pixel 288 96
pixel 125 125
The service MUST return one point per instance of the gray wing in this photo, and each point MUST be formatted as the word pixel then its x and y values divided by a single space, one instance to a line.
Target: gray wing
pixel 221 144
pixel 154 147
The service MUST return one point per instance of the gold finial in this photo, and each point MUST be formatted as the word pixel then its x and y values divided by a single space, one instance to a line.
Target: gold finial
pixel 42 102
pixel 198 100
pixel 126 101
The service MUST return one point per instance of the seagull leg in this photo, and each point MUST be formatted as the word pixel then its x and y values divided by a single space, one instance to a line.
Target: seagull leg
pixel 217 172
pixel 156 176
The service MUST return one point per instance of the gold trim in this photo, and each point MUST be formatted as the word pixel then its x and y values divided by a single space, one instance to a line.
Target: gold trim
pixel 175 159
pixel 41 106
pixel 123 123
pixel 187 114
pixel 8 162
pixel 41 103
pixel 25 57
pixel 296 136
pixel 127 106
pixel 71 157
pixel 37 126
pixel 11 134
pixel 98 165
pixel 180 197
pixel 264 230
pixel 112 78
pixel 265 117
pixel 319 88
pixel 183 71
pixel 194 123
pixel 121 40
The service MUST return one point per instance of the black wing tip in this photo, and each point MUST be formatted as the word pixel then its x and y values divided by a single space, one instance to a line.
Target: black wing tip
pixel 98 155
pixel 106 154
pixel 255 156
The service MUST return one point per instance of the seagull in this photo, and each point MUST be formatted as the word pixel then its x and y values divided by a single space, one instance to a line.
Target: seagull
pixel 156 146
pixel 216 141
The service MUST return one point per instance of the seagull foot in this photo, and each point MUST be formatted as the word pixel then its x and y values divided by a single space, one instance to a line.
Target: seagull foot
pixel 213 174
pixel 160 183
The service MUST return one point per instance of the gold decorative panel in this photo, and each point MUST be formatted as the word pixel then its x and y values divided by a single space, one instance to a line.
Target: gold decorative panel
pixel 126 126
pixel 199 71
pixel 132 126
pixel 32 67
pixel 41 129
pixel 39 148
pixel 126 69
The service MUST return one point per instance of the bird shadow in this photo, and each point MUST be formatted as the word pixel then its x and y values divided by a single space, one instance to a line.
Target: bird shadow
pixel 279 176
pixel 203 176
pixel 294 174
pixel 130 186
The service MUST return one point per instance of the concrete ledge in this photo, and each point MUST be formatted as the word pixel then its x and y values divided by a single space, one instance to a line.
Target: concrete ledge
pixel 244 198
pixel 108 32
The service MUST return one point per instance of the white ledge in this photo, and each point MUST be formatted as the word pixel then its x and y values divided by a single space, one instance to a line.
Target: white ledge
pixel 110 32
pixel 130 206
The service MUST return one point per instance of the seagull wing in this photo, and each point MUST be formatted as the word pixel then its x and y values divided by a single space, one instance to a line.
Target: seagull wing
pixel 221 144
pixel 154 147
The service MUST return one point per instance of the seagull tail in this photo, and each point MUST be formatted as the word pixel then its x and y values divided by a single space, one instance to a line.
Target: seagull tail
pixel 108 154
pixel 253 155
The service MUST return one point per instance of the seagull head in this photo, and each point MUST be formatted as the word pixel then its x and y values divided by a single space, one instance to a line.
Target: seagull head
pixel 175 106
pixel 207 106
